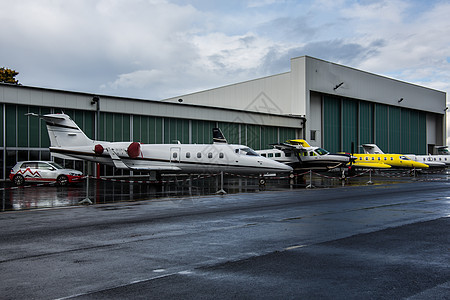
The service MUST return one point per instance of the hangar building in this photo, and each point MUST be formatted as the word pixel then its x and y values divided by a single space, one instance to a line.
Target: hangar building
pixel 328 104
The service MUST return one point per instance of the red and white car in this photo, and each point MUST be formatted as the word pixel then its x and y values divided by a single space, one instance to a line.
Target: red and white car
pixel 43 171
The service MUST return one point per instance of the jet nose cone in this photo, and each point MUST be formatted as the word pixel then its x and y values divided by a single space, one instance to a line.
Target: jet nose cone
pixel 278 166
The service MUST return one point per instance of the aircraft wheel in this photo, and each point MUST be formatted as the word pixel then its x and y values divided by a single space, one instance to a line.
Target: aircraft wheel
pixel 18 180
pixel 262 181
pixel 62 180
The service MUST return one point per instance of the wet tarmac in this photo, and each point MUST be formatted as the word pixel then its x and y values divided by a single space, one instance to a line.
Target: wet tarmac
pixel 388 240
pixel 114 190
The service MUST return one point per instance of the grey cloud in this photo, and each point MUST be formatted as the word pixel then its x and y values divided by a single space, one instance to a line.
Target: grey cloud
pixel 339 51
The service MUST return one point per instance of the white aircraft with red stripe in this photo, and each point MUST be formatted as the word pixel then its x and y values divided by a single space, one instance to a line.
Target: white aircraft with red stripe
pixel 69 141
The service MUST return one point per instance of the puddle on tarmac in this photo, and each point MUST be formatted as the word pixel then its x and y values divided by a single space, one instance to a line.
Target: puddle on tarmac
pixel 108 191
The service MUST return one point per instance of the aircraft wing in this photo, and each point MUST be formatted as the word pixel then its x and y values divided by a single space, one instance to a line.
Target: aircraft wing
pixel 286 147
pixel 370 165
pixel 120 164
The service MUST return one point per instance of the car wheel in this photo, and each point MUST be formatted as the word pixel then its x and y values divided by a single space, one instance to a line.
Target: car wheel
pixel 18 180
pixel 62 180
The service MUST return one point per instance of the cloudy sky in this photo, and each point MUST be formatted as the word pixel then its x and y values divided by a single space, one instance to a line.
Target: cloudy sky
pixel 155 49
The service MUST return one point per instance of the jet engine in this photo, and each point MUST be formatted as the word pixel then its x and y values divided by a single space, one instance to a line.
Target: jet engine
pixel 134 149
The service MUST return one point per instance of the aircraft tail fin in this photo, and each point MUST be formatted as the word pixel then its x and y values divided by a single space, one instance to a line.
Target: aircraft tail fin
pixel 218 137
pixel 63 131
pixel 371 149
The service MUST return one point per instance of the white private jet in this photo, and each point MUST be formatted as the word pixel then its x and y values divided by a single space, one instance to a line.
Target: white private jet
pixel 69 141
pixel 299 154
pixel 434 161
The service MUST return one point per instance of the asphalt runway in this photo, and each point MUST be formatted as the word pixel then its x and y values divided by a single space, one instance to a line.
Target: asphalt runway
pixel 373 242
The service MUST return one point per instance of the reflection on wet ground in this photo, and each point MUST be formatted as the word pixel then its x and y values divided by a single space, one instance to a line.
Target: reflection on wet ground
pixel 130 189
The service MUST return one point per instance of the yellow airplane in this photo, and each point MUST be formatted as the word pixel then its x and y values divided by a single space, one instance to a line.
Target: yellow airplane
pixel 385 161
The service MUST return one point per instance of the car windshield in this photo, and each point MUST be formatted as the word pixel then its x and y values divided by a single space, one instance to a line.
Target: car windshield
pixel 248 151
pixel 55 165
pixel 321 151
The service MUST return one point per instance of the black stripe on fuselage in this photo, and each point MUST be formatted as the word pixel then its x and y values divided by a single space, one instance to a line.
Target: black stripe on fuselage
pixel 61 126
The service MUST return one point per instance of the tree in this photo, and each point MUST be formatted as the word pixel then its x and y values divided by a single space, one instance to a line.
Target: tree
pixel 8 76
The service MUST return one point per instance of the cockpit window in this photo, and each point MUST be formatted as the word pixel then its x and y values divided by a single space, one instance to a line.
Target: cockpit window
pixel 248 151
pixel 404 157
pixel 321 151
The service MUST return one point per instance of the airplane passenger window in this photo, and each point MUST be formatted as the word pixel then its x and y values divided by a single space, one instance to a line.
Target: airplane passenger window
pixel 373 158
pixel 392 158
pixel 220 155
pixel 270 154
pixel 277 154
pixel 175 155
pixel 209 155
pixel 188 155
pixel 263 154
pixel 199 155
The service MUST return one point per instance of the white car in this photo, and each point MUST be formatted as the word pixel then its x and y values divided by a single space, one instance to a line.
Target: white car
pixel 43 171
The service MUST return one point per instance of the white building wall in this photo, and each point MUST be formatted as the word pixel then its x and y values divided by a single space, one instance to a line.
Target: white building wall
pixel 315 122
pixel 325 76
pixel 267 95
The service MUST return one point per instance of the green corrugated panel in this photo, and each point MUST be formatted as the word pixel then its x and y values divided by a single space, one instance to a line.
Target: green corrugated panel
pixel 382 127
pixel 268 136
pixel 89 124
pixel 11 125
pixel 332 124
pixel 166 131
pixel 109 126
pixel 151 130
pixel 243 134
pixel 145 139
pixel 126 128
pixel 414 131
pixel 45 140
pixel 349 124
pixel 395 130
pixel 158 130
pixel 202 132
pixel 183 131
pixel 365 123
pixel 34 127
pixel 174 131
pixel 22 126
pixel 422 133
pixel 253 136
pixel 287 134
pixel 405 140
pixel 136 128
pixel 264 137
pixel 118 128
pixel 194 129
pixel 101 130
